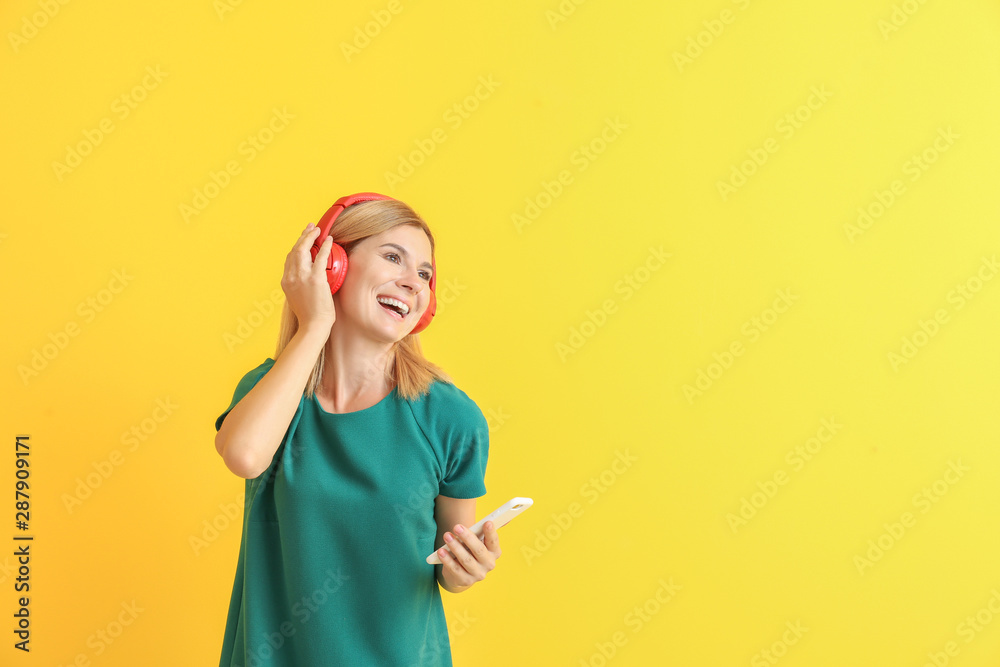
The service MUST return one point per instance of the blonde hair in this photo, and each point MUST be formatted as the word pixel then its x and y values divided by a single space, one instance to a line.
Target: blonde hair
pixel 409 371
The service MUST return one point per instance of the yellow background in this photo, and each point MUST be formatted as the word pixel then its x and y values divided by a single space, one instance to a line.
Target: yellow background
pixel 560 73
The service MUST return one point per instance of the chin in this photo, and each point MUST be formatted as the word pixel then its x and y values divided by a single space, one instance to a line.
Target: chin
pixel 385 334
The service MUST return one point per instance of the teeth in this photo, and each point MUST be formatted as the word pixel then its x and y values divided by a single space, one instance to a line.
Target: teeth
pixel 395 302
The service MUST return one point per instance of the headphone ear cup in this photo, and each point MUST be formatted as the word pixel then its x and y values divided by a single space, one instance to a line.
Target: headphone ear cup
pixel 428 315
pixel 336 264
pixel 336 267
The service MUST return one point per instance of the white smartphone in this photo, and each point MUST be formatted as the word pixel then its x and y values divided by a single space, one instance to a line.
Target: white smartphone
pixel 500 517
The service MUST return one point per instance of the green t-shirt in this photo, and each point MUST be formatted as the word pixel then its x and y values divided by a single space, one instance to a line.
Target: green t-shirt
pixel 331 568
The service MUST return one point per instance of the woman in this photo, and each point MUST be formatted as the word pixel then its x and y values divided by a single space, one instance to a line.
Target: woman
pixel 361 457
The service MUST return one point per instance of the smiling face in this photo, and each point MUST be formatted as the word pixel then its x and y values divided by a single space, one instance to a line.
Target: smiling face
pixel 387 286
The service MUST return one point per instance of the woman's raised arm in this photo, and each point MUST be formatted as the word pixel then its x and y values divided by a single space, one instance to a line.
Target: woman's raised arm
pixel 253 429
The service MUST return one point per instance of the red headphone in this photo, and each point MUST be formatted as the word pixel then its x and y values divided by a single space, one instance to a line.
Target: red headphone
pixel 336 265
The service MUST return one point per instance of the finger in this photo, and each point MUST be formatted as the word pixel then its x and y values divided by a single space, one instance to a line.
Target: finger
pixel 310 227
pixel 306 238
pixel 302 245
pixel 469 539
pixel 325 248
pixel 477 563
pixel 472 543
pixel 305 252
pixel 448 561
pixel 458 550
pixel 492 539
pixel 466 573
pixel 299 259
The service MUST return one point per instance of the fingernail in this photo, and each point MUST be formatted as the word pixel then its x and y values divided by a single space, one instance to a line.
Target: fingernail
pixel 459 529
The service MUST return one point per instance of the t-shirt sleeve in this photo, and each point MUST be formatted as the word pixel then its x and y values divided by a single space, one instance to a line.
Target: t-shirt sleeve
pixel 468 450
pixel 244 387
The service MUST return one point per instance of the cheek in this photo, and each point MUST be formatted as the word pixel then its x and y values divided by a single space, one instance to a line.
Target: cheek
pixel 364 274
pixel 357 280
pixel 348 297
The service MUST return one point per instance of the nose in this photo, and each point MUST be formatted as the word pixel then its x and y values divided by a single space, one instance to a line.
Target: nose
pixel 411 280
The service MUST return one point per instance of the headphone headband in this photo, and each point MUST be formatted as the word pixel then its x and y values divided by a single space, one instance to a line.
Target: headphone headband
pixel 326 222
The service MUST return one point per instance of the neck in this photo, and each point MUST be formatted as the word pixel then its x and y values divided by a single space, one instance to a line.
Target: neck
pixel 356 367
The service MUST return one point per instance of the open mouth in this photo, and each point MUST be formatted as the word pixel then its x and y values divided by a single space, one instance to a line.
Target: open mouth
pixel 394 307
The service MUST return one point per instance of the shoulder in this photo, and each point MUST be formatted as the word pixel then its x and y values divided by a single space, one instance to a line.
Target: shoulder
pixel 244 386
pixel 254 375
pixel 445 408
pixel 251 378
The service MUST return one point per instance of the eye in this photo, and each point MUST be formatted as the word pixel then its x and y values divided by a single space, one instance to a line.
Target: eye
pixel 425 274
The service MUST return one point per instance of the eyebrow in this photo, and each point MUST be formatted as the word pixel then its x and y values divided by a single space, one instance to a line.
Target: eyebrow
pixel 404 253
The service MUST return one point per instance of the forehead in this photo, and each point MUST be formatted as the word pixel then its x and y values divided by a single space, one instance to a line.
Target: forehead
pixel 410 237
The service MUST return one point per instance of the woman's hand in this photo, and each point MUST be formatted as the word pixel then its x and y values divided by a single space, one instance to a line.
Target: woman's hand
pixel 472 558
pixel 304 282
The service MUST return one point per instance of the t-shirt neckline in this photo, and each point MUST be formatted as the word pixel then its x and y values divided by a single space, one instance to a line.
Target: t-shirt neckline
pixel 322 410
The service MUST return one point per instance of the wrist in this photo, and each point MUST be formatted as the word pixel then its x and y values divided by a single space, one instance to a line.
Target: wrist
pixel 315 331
